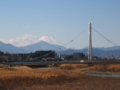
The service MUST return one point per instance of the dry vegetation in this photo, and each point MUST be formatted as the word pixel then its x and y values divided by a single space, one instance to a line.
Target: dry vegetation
pixel 87 83
pixel 104 68
pixel 72 66
pixel 21 68
pixel 24 78
pixel 3 66
pixel 12 78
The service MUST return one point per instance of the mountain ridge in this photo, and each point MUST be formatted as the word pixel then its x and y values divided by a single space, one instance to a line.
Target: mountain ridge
pixel 10 48
pixel 42 45
pixel 100 52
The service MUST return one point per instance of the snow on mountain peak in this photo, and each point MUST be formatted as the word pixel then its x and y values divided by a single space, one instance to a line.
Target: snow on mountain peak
pixel 49 39
pixel 29 39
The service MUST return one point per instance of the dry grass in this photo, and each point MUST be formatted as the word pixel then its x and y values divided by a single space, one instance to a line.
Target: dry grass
pixel 2 65
pixel 12 78
pixel 72 66
pixel 109 67
pixel 114 68
pixel 53 79
pixel 87 83
pixel 21 68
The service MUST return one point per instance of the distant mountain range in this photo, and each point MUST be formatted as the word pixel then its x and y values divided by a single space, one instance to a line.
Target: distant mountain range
pixel 30 48
pixel 42 45
pixel 100 52
pixel 11 49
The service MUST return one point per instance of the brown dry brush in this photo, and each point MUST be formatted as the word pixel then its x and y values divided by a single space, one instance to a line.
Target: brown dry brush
pixel 66 66
pixel 12 79
pixel 87 83
pixel 108 67
pixel 72 66
pixel 52 79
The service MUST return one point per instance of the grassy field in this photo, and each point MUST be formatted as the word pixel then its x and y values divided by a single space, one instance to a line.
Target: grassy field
pixel 25 78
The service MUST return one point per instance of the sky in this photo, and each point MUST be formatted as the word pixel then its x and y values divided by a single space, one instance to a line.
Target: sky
pixel 28 20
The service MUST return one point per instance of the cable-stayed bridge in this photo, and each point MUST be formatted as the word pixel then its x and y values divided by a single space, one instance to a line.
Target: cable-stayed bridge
pixel 63 62
pixel 89 61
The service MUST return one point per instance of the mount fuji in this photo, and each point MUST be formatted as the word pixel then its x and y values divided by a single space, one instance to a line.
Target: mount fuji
pixel 49 40
pixel 45 43
pixel 29 43
pixel 32 44
pixel 42 45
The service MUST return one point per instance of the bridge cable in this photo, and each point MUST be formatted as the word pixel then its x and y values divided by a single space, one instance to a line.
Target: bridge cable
pixel 64 44
pixel 106 38
pixel 93 36
pixel 106 50
pixel 74 38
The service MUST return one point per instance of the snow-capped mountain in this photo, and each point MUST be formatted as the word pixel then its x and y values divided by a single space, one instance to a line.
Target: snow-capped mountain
pixel 33 43
pixel 58 48
pixel 49 40
pixel 29 39
pixel 42 45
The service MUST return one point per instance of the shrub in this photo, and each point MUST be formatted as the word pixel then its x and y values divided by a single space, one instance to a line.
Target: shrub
pixel 18 78
pixel 72 66
pixel 110 67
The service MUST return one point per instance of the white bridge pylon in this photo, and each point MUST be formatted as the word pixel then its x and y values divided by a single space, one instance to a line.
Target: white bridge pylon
pixel 90 42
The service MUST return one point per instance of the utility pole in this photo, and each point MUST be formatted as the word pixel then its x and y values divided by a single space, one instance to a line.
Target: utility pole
pixel 90 43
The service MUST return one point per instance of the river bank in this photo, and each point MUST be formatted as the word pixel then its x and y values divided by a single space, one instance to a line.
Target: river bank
pixel 52 79
pixel 26 78
pixel 77 67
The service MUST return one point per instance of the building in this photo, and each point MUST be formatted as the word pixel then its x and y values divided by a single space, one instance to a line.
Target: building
pixel 69 57
pixel 12 58
pixel 78 55
pixel 38 55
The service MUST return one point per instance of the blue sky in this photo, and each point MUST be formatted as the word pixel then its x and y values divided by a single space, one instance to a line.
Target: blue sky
pixel 61 19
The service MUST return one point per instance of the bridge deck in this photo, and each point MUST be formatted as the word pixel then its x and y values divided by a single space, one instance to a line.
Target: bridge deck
pixel 59 62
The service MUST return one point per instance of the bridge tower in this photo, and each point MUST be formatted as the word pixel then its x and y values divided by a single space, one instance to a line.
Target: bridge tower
pixel 90 42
